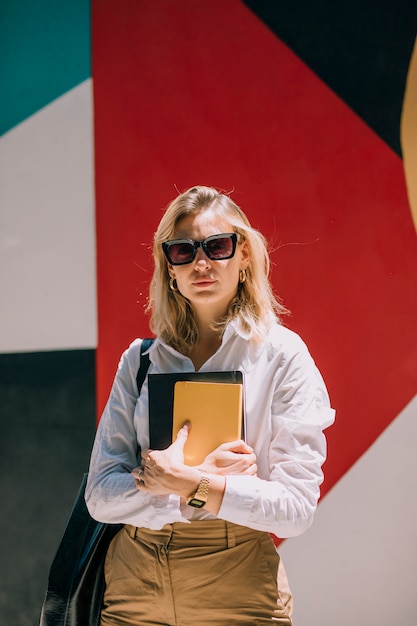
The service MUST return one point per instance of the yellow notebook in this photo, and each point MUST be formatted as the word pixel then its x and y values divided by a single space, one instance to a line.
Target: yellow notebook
pixel 215 411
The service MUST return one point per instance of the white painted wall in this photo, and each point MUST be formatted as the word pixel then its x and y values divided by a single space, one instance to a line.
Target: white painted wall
pixel 356 565
pixel 47 228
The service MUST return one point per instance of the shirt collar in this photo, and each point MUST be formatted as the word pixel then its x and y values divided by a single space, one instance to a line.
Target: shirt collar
pixel 233 327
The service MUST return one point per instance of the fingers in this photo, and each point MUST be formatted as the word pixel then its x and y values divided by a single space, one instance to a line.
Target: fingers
pixel 184 430
pixel 182 435
pixel 158 464
pixel 138 474
pixel 252 470
pixel 229 457
pixel 238 446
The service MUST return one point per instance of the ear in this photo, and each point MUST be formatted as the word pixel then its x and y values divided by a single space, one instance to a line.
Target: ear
pixel 244 256
pixel 171 270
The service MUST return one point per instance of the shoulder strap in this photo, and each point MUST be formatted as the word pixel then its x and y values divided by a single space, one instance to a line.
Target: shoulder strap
pixel 144 363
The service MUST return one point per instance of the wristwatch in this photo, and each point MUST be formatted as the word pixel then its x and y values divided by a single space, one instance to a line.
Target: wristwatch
pixel 199 499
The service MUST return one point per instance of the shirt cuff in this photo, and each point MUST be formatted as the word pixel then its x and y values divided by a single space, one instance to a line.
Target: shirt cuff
pixel 238 499
pixel 167 511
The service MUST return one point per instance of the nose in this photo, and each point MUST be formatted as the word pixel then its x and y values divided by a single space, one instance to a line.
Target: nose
pixel 201 260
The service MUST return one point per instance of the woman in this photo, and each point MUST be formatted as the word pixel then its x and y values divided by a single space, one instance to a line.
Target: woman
pixel 196 548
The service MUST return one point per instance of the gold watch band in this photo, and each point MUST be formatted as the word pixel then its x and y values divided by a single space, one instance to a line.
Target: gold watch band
pixel 199 499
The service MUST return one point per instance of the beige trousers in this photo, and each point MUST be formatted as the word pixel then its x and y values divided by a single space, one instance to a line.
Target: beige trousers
pixel 203 573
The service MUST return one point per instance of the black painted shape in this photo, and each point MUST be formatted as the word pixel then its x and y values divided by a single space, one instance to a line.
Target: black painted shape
pixel 47 427
pixel 360 48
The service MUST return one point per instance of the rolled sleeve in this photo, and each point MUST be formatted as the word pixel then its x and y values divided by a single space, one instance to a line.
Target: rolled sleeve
pixel 291 409
pixel 111 495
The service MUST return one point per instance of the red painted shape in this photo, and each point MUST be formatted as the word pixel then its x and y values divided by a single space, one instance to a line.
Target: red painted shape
pixel 203 93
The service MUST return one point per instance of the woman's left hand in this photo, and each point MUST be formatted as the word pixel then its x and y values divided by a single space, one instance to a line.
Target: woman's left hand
pixel 235 457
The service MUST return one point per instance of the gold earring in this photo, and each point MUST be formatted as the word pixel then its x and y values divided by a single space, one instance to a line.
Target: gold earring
pixel 242 276
pixel 173 284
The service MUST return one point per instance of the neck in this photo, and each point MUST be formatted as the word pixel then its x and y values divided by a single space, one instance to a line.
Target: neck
pixel 206 346
pixel 207 316
pixel 208 342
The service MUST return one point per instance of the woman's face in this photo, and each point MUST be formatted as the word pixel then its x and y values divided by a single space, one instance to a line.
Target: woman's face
pixel 209 285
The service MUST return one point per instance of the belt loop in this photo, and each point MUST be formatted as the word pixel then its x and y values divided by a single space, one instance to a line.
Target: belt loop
pixel 131 530
pixel 230 535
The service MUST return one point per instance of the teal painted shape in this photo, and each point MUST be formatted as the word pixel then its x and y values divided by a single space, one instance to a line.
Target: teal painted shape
pixel 44 52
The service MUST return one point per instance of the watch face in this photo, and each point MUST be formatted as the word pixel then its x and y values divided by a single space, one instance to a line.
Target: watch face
pixel 195 502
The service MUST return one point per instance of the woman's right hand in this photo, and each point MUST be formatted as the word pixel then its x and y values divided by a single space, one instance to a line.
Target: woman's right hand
pixel 231 458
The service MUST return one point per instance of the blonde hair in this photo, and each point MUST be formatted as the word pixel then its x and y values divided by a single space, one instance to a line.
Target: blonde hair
pixel 172 316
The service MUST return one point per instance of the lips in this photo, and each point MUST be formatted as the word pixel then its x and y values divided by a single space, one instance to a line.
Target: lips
pixel 204 282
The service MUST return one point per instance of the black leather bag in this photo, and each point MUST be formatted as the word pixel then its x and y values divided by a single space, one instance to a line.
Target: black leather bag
pixel 75 590
pixel 76 579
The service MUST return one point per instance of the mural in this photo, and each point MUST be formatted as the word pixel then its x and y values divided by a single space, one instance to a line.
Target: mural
pixel 297 114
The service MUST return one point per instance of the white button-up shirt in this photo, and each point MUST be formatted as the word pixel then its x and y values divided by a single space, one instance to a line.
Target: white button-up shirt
pixel 287 409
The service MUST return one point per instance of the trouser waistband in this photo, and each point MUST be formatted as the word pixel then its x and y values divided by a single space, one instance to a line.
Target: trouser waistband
pixel 216 533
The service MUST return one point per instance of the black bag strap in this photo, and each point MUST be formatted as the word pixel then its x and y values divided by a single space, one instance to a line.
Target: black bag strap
pixel 144 362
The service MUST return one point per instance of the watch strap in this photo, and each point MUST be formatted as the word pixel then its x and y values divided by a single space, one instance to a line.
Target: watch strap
pixel 199 499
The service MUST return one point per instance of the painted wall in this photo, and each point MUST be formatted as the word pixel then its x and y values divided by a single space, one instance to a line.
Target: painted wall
pixel 48 329
pixel 298 112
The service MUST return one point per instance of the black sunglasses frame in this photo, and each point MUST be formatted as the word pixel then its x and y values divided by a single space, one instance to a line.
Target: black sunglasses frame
pixel 203 244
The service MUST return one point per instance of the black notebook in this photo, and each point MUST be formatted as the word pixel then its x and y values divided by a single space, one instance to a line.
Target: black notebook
pixel 161 401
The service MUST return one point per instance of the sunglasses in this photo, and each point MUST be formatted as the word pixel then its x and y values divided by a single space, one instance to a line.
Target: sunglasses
pixel 216 247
